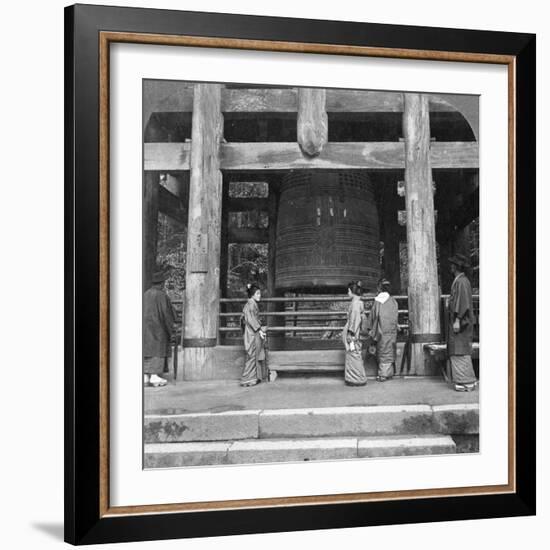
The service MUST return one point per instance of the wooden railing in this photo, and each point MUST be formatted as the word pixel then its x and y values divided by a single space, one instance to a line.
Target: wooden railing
pixel 294 321
pixel 284 318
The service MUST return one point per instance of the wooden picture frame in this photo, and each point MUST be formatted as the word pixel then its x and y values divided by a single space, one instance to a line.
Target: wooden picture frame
pixel 89 518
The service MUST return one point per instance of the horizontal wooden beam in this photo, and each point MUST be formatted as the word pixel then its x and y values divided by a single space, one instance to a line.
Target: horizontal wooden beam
pixel 253 177
pixel 245 157
pixel 172 206
pixel 301 313
pixel 242 204
pixel 166 156
pixel 247 235
pixel 267 100
pixel 178 97
pixel 300 328
pixel 359 101
pixel 313 298
pixel 165 96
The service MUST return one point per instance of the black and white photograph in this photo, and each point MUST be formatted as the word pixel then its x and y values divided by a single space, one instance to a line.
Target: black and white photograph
pixel 310 274
pixel 276 275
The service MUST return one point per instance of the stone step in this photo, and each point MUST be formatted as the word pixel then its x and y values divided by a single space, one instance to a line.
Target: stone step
pixel 337 422
pixel 307 368
pixel 316 361
pixel 174 455
pixel 280 359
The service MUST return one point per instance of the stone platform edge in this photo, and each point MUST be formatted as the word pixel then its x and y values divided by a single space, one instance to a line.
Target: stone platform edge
pixel 174 455
pixel 312 422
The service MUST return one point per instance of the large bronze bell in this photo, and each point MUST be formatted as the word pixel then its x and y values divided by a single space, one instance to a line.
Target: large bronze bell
pixel 327 232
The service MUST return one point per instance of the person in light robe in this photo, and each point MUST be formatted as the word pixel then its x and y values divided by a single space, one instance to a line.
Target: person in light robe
pixel 254 335
pixel 460 325
pixel 354 371
pixel 383 330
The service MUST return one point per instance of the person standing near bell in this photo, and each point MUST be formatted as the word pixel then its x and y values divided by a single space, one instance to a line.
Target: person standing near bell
pixel 255 368
pixel 383 330
pixel 354 370
pixel 460 326
pixel 158 329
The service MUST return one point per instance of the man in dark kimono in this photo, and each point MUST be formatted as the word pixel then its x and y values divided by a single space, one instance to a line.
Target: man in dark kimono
pixel 460 325
pixel 383 330
pixel 158 327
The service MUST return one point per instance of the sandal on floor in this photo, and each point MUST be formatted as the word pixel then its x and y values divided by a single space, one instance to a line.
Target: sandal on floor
pixel 465 387
pixel 157 381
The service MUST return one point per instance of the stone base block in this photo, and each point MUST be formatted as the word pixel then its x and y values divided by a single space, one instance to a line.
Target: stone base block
pixel 201 426
pixel 456 419
pixel 406 446
pixel 177 455
pixel 346 421
pixel 297 450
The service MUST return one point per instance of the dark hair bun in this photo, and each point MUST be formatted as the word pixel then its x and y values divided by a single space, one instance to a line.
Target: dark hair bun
pixel 356 287
pixel 251 289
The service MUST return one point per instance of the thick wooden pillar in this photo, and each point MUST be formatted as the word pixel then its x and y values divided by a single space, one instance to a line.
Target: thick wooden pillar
pixel 423 288
pixel 202 290
pixel 312 128
pixel 150 211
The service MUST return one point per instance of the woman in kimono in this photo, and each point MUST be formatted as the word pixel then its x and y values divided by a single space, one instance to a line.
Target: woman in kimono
pixel 255 368
pixel 354 372
pixel 383 330
pixel 158 329
pixel 460 324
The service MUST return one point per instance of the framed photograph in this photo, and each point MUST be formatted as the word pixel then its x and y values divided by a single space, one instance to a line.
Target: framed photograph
pixel 299 274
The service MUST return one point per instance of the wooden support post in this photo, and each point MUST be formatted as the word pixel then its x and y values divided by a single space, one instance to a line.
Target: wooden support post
pixel 224 245
pixel 275 340
pixel 391 235
pixel 422 262
pixel 248 235
pixel 202 289
pixel 237 204
pixel 312 120
pixel 273 205
pixel 150 220
pixel 179 186
pixel 392 266
pixel 224 250
pixel 443 231
pixel 462 245
pixel 459 243
pixel 170 205
pixel 454 216
pixel 445 252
